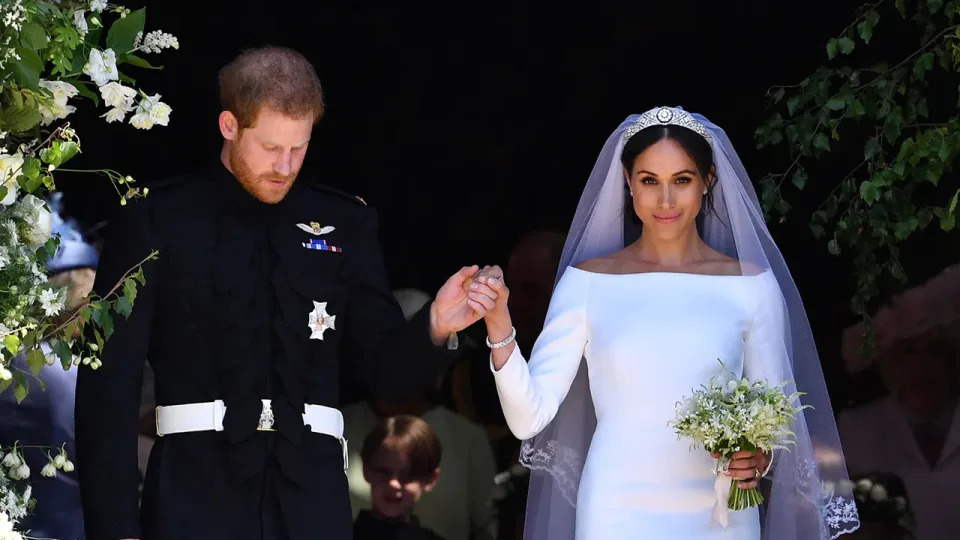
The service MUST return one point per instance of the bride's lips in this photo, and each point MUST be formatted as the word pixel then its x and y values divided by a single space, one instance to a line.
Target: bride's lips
pixel 666 219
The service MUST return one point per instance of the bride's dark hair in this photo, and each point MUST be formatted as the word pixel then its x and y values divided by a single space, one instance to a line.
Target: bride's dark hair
pixel 693 143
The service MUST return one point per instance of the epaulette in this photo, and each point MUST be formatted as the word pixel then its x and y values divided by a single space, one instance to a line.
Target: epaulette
pixel 327 189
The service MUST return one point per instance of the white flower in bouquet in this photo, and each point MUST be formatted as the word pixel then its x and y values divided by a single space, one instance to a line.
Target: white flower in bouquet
pixel 10 167
pixel 101 67
pixel 58 109
pixel 6 528
pixel 731 414
pixel 37 220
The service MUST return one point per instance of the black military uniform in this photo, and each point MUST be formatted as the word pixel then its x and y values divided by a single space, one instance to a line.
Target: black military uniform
pixel 224 315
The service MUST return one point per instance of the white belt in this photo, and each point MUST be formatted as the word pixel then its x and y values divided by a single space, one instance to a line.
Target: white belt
pixel 208 416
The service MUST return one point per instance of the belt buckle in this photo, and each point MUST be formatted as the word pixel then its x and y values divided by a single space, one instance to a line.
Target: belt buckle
pixel 156 420
pixel 266 417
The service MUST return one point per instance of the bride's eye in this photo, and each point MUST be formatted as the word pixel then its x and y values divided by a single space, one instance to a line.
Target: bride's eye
pixel 684 180
pixel 649 180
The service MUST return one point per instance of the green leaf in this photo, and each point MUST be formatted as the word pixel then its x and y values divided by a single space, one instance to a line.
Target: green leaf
pixel 934 5
pixel 928 59
pixel 792 105
pixel 4 384
pixel 948 222
pixel 3 192
pixel 123 306
pixel 845 45
pixel 832 48
pixel 865 31
pixel 944 151
pixel 33 36
pixel 799 179
pixel 899 168
pixel 12 344
pixel 36 360
pixel 869 192
pixel 20 386
pixel 124 31
pixel 821 141
pixel 836 104
pixel 817 230
pixel 891 128
pixel 901 8
pixel 130 289
pixel 68 149
pixel 135 60
pixel 778 95
pixel 62 350
pixel 953 202
pixel 873 17
pixel 27 70
pixel 106 323
pixel 857 108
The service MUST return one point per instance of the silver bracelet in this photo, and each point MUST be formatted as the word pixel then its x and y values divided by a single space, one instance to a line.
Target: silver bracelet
pixel 504 343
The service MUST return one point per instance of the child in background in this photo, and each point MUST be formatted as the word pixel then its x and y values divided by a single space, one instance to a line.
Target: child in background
pixel 401 462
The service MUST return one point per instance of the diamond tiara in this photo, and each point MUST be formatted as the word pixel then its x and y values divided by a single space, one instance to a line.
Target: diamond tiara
pixel 667 116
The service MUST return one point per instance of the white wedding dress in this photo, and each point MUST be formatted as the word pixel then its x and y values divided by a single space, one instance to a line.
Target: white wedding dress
pixel 648 339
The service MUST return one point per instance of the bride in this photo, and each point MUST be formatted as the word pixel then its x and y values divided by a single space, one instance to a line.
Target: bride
pixel 704 281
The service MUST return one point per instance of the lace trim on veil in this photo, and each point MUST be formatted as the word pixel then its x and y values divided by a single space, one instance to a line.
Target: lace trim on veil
pixel 562 463
pixel 838 514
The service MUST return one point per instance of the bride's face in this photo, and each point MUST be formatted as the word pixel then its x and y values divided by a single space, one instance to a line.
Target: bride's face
pixel 667 189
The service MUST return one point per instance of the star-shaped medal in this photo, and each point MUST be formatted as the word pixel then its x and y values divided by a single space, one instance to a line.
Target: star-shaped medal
pixel 320 321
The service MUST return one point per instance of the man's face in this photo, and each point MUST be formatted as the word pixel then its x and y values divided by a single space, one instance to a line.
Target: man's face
pixel 266 156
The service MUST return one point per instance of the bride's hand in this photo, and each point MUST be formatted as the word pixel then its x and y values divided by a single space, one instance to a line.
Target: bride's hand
pixel 747 467
pixel 488 288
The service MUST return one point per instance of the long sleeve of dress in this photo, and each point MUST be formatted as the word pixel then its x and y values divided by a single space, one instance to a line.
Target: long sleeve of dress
pixel 530 394
pixel 108 399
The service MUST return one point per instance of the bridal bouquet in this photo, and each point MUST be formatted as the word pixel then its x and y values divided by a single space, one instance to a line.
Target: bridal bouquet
pixel 729 415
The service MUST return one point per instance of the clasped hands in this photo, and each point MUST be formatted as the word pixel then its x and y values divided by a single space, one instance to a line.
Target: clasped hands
pixel 471 294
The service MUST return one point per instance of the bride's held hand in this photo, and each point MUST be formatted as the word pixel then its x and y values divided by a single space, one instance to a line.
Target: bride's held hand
pixel 489 291
pixel 747 467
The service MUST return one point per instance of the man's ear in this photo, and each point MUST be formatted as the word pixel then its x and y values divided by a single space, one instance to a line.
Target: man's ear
pixel 229 126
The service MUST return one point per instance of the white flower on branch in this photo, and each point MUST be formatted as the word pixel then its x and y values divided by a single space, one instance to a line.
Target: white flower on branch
pixel 151 111
pixel 5 374
pixel 49 471
pixel 98 5
pixel 12 460
pixel 101 67
pixel 156 41
pixel 117 95
pixel 51 302
pixel 58 108
pixel 15 16
pixel 38 220
pixel 10 167
pixel 80 20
